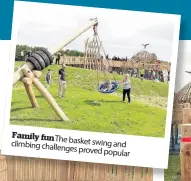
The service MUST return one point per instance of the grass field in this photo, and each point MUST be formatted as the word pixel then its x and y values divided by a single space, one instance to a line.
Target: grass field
pixel 90 110
pixel 173 171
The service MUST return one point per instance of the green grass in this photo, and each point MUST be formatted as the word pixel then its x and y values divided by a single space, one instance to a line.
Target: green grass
pixel 90 110
pixel 172 173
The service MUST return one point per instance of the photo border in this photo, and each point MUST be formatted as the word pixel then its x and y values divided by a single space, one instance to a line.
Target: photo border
pixel 149 157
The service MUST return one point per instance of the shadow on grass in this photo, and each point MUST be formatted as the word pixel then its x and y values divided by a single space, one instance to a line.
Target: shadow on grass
pixel 14 103
pixel 110 101
pixel 92 102
pixel 42 97
pixel 98 103
pixel 38 120
pixel 39 96
pixel 22 108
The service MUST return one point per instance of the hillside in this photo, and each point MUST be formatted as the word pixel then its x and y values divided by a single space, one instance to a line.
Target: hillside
pixel 90 110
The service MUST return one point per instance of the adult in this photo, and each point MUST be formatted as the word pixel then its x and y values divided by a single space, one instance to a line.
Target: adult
pixel 22 56
pixel 58 56
pixel 126 88
pixel 62 81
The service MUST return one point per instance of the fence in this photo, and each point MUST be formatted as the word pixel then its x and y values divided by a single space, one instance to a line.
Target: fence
pixel 182 115
pixel 69 60
pixel 185 147
pixel 34 169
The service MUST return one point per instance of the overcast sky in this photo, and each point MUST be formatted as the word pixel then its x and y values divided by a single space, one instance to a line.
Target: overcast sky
pixel 183 64
pixel 122 32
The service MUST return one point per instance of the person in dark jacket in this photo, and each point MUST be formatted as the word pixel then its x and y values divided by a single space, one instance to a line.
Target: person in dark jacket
pixel 58 56
pixel 62 81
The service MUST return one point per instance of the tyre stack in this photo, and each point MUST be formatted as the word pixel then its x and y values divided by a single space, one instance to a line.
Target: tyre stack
pixel 40 59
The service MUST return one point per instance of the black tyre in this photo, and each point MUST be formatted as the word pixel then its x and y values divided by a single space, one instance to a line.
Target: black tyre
pixel 48 54
pixel 39 59
pixel 44 57
pixel 34 62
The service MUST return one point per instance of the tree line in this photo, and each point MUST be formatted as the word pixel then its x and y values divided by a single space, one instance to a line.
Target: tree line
pixel 25 49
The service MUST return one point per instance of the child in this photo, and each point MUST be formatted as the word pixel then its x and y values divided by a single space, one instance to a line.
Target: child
pixel 48 78
pixel 153 75
pixel 107 85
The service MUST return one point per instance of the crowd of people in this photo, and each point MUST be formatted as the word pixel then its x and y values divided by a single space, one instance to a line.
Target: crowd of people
pixel 151 74
pixel 119 59
pixel 116 58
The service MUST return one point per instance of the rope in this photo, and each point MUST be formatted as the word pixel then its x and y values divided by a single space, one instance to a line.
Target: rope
pixel 97 74
pixel 114 77
pixel 93 48
pixel 105 57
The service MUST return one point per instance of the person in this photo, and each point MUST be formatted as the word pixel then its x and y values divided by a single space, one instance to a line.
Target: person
pixel 142 72
pixel 126 88
pixel 22 56
pixel 28 54
pixel 107 86
pixel 153 75
pixel 95 28
pixel 58 58
pixel 168 77
pixel 48 78
pixel 62 81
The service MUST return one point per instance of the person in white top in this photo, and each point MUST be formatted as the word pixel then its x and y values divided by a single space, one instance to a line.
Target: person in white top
pixel 126 88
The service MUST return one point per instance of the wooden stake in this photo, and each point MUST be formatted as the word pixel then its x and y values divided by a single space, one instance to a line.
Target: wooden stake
pixel 28 87
pixel 31 95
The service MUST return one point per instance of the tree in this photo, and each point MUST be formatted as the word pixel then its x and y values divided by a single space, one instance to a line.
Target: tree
pixel 26 48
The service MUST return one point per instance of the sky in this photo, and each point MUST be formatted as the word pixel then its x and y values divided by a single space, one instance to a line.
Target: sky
pixel 183 64
pixel 121 32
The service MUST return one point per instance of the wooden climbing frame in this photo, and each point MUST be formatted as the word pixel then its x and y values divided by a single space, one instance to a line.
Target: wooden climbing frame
pixel 92 54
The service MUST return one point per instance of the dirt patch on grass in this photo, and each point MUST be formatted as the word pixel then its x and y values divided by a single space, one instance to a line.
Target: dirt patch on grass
pixel 149 100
